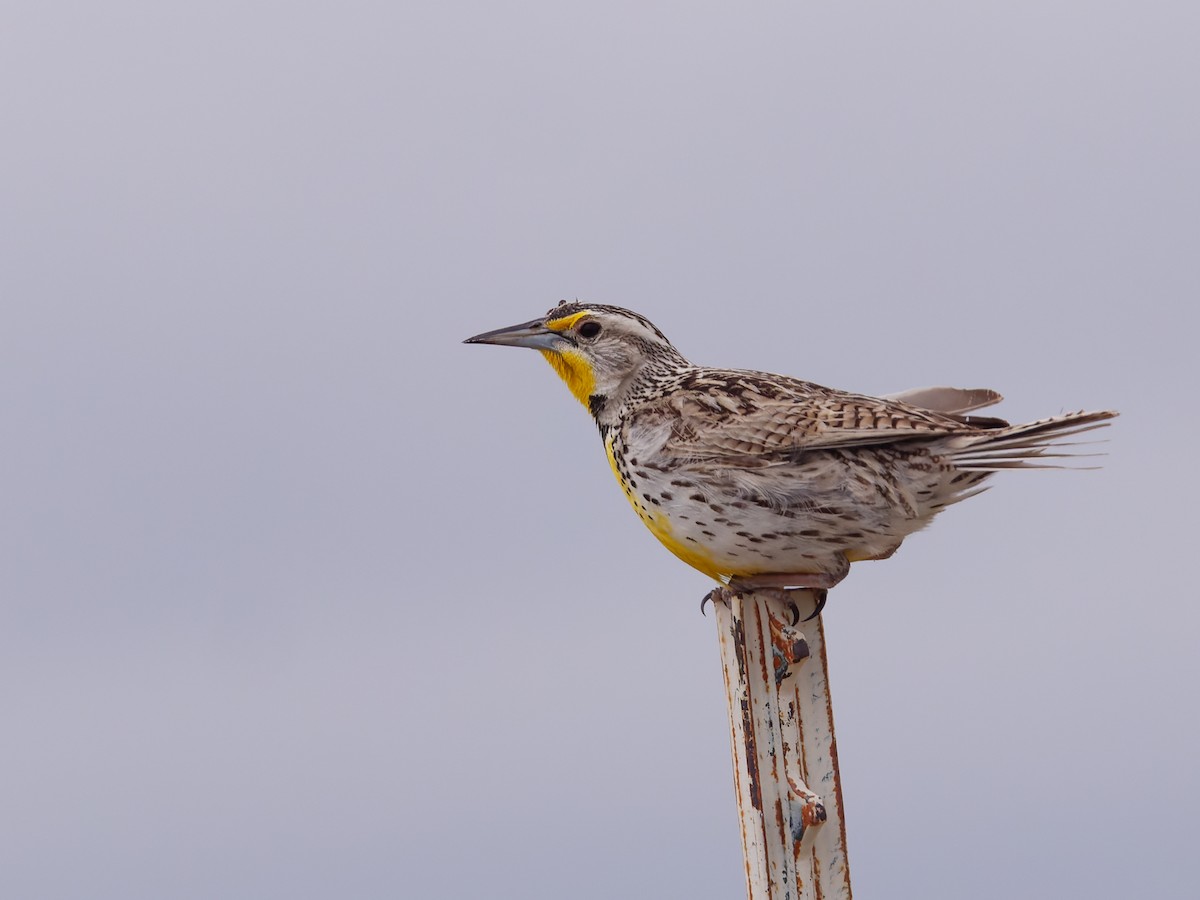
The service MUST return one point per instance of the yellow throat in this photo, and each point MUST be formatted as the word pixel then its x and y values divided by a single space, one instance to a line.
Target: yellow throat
pixel 573 368
pixel 571 365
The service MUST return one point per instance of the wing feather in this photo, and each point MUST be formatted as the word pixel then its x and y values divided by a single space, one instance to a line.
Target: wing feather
pixel 750 418
pixel 949 400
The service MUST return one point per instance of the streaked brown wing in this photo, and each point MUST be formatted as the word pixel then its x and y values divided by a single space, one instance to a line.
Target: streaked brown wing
pixel 749 418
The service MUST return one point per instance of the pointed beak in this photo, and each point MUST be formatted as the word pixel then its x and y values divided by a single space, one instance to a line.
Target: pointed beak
pixel 533 334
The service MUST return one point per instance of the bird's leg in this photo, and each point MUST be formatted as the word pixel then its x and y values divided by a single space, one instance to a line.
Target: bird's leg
pixel 810 580
pixel 817 583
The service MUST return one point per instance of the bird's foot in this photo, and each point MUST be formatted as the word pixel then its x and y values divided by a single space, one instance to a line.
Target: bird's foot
pixel 783 587
pixel 796 580
pixel 786 584
pixel 821 596
pixel 783 596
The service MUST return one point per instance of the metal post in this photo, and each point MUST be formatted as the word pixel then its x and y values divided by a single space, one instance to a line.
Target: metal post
pixel 789 793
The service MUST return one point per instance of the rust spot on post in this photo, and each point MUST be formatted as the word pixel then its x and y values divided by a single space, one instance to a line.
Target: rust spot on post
pixel 788 647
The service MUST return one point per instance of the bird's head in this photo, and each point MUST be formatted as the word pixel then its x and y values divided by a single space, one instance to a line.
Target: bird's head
pixel 597 350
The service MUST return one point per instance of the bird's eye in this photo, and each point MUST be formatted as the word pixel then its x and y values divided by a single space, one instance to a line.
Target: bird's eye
pixel 589 329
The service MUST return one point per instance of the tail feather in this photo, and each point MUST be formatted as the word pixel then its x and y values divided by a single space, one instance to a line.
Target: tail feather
pixel 1028 446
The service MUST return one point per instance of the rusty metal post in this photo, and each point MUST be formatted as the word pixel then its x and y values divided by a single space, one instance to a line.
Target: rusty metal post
pixel 789 793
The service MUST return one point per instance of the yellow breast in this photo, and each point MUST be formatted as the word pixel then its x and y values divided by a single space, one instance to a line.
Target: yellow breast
pixel 660 526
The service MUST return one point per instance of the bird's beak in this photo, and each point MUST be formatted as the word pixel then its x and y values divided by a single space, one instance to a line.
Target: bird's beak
pixel 533 334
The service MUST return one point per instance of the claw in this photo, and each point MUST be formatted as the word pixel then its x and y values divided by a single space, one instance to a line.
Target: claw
pixel 704 600
pixel 822 596
pixel 795 613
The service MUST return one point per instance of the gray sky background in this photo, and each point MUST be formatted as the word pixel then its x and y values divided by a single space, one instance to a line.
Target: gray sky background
pixel 300 597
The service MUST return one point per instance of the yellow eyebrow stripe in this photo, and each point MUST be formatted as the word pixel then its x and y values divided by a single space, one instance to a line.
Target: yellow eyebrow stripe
pixel 566 321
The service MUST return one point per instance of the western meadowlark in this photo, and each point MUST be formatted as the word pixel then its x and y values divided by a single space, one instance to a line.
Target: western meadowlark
pixel 765 481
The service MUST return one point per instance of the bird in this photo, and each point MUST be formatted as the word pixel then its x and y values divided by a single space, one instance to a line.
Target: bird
pixel 764 481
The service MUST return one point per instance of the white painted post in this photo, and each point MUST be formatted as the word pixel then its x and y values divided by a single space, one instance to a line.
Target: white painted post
pixel 789 793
